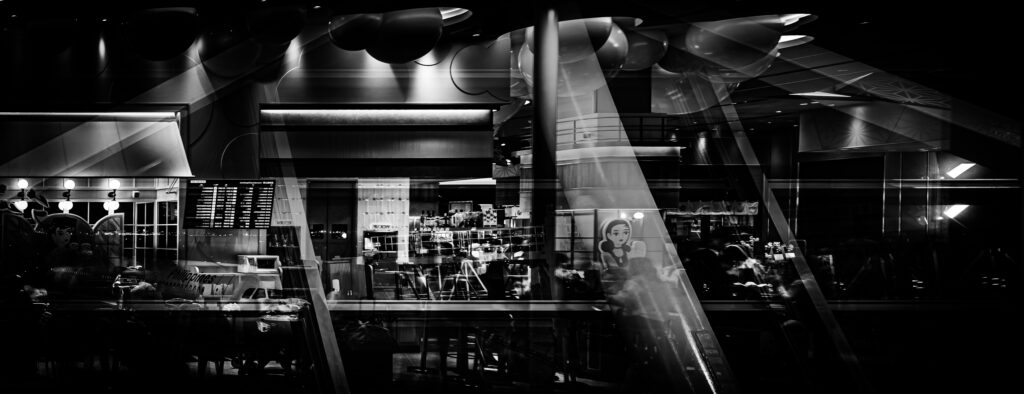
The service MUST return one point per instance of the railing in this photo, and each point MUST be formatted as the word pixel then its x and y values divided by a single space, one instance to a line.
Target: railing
pixel 641 129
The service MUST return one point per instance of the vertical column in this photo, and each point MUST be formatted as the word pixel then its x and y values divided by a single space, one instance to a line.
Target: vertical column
pixel 545 87
pixel 892 194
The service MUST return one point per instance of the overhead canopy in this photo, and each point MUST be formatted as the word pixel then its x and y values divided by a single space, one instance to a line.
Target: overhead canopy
pixel 92 144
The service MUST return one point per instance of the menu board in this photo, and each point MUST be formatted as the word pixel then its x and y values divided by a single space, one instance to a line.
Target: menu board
pixel 228 203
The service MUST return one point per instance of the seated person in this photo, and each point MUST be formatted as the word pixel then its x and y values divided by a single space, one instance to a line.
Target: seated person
pixel 576 284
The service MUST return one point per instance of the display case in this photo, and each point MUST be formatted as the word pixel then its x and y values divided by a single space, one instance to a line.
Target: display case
pixel 258 263
pixel 283 241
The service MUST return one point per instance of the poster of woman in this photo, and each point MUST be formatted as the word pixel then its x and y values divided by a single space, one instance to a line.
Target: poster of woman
pixel 617 245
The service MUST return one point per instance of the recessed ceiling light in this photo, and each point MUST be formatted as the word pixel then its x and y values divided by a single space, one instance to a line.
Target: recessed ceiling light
pixel 778 112
pixel 316 7
pixel 476 34
pixel 803 103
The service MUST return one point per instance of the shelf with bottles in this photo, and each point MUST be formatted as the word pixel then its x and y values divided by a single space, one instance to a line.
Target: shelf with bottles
pixel 283 241
pixel 444 241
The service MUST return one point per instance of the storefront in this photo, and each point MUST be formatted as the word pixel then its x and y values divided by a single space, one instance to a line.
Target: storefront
pixel 261 197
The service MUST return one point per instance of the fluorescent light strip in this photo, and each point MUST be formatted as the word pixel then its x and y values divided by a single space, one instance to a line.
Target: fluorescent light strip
pixel 373 111
pixel 954 210
pixel 377 112
pixel 819 94
pixel 464 182
pixel 368 116
pixel 959 169
pixel 134 115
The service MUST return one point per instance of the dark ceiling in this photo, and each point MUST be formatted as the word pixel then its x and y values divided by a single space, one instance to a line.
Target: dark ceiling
pixel 965 51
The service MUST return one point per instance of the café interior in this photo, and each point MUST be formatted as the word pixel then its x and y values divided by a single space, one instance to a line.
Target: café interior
pixel 407 196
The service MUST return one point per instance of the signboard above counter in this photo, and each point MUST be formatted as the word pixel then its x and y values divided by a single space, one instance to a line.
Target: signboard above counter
pixel 235 204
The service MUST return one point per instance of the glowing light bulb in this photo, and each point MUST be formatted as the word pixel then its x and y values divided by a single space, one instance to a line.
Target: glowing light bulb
pixel 22 184
pixel 65 205
pixel 21 205
pixel 111 206
pixel 638 215
pixel 69 184
pixel 114 184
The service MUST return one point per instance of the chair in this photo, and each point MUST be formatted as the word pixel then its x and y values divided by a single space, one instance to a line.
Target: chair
pixel 460 278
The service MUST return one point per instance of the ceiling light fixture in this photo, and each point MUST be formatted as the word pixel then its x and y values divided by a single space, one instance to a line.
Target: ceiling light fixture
pixel 21 204
pixel 819 94
pixel 66 205
pixel 959 169
pixel 789 41
pixel 789 19
pixel 788 38
pixel 112 205
pixel 954 210
pixel 465 182
pixel 453 15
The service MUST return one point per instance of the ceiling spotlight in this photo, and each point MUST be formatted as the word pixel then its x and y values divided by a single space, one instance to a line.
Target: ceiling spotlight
pixel 638 215
pixel 316 7
pixel 476 34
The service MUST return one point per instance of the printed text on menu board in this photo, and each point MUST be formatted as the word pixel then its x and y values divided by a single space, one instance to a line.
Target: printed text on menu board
pixel 228 203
